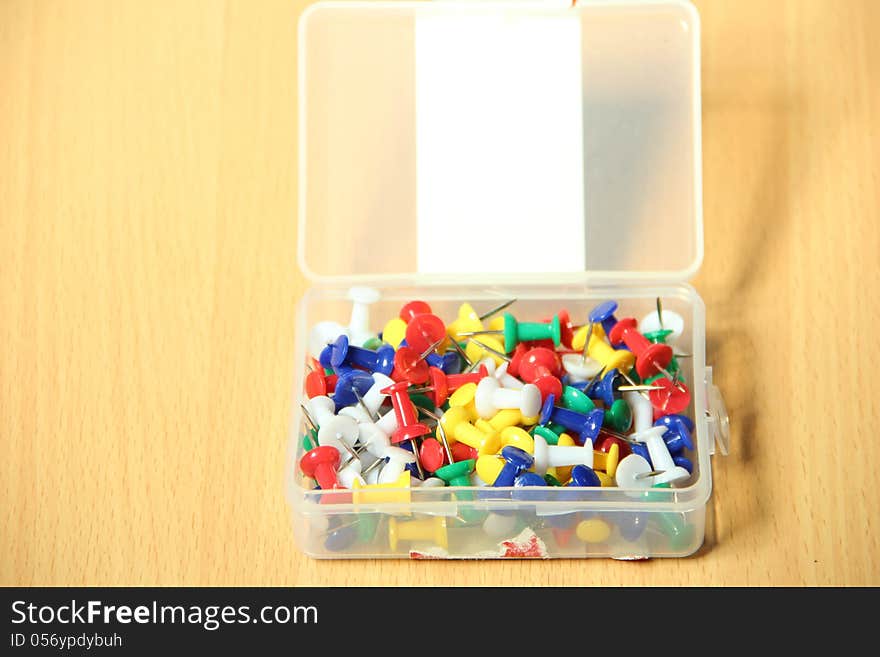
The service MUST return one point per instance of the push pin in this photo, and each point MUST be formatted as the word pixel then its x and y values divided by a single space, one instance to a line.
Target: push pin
pixel 517 437
pixel 333 430
pixel 369 403
pixel 604 314
pixel 467 321
pixel 320 384
pixel 678 432
pixel 542 368
pixel 410 365
pixel 607 461
pixel 442 384
pixel 395 492
pixel 424 330
pixel 321 464
pixel 359 324
pixel 510 417
pixel 575 400
pixel 396 459
pixel 454 423
pixel 585 426
pixel 663 320
pixel 515 332
pixel 343 353
pixel 408 426
pixel 547 456
pixel 427 530
pixel 350 386
pixel 504 377
pixel 580 369
pixel 583 476
pixel 516 461
pixel 651 358
pixel 491 398
pixel 631 472
pixel 601 351
pixel 671 398
pixel 661 459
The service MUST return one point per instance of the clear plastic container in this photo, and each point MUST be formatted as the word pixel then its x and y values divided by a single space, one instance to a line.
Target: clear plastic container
pixel 396 116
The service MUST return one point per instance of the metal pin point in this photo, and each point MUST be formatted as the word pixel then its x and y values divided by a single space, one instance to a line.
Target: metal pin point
pixel 637 388
pixel 461 353
pixel 361 403
pixel 468 334
pixel 373 466
pixel 668 375
pixel 441 432
pixel 660 313
pixel 489 349
pixel 431 348
pixel 587 343
pixel 497 309
pixel 629 380
pixel 308 417
pixel 652 473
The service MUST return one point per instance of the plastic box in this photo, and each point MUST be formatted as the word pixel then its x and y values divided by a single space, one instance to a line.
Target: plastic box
pixel 359 224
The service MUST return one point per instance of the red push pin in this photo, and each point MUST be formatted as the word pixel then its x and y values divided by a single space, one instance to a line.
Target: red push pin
pixel 431 455
pixel 413 309
pixel 408 425
pixel 321 464
pixel 410 365
pixel 319 384
pixel 672 397
pixel 542 366
pixel 605 441
pixel 424 330
pixel 651 357
pixel 566 331
pixel 443 384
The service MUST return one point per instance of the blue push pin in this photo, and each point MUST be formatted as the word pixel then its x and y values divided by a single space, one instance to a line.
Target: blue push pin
pixel 582 476
pixel 517 460
pixel 349 382
pixel 606 389
pixel 341 537
pixel 684 462
pixel 630 525
pixel 678 432
pixel 642 450
pixel 381 360
pixel 326 357
pixel 530 480
pixel 586 426
pixel 604 314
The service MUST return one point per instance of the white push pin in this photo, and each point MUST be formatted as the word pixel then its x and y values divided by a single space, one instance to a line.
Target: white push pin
pixel 351 473
pixel 505 379
pixel 368 405
pixel 642 411
pixel 552 456
pixel 664 467
pixel 332 429
pixel 631 470
pixel 322 334
pixel 398 458
pixel 359 325
pixel 490 398
pixel 499 526
pixel 581 369
pixel 663 320
pixel 430 482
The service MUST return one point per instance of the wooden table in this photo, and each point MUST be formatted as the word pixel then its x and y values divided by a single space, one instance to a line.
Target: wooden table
pixel 147 288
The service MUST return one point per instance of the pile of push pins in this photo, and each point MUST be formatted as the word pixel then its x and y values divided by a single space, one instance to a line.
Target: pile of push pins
pixel 490 401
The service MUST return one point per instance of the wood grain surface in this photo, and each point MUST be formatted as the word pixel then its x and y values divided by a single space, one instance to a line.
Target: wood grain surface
pixel 148 281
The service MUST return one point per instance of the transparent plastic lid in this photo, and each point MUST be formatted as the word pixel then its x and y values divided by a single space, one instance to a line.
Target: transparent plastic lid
pixel 499 140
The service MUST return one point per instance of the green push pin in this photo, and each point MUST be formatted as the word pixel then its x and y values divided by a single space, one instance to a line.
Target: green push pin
pixel 515 332
pixel 672 525
pixel 547 434
pixel 366 527
pixel 659 337
pixel 619 416
pixel 373 343
pixel 459 474
pixel 576 400
pixel 551 480
pixel 310 440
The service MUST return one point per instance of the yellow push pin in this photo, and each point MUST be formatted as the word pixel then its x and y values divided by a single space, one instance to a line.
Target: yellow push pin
pixel 463 398
pixel 455 424
pixel 394 332
pixel 518 438
pixel 607 461
pixel 599 350
pixel 604 479
pixel 489 467
pixel 510 417
pixel 432 530
pixel 594 530
pixel 466 322
pixel 397 491
pixel 477 350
